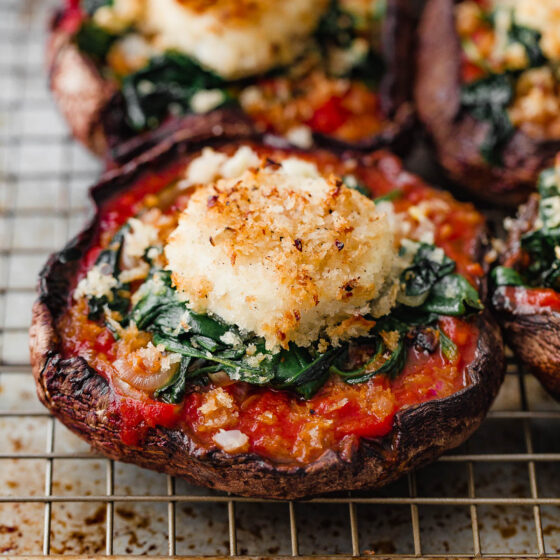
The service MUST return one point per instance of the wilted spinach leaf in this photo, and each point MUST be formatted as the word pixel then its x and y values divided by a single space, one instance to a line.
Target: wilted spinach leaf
pixel 174 390
pixel 94 41
pixel 393 360
pixel 430 264
pixel 541 244
pixel 298 368
pixel 336 26
pixel 544 268
pixel 108 260
pixel 392 366
pixel 530 39
pixel 200 337
pixel 504 276
pixel 487 100
pixel 452 295
pixel 368 69
pixel 303 370
pixel 91 6
pixel 168 82
pixel 448 347
pixel 389 197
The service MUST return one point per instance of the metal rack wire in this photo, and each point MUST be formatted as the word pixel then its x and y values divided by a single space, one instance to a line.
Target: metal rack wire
pixel 498 495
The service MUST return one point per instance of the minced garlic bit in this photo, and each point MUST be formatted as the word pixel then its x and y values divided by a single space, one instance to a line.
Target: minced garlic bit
pixel 169 359
pixel 139 238
pixel 231 441
pixel 129 54
pixel 255 359
pixel 205 100
pixel 281 251
pixel 250 97
pixel 231 339
pixel 156 356
pixel 137 273
pixel 300 136
pixel 96 284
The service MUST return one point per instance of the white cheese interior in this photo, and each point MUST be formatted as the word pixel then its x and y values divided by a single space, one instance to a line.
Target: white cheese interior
pixel 234 38
pixel 280 250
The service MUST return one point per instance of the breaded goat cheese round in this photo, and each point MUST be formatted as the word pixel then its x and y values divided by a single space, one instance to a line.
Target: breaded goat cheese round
pixel 234 38
pixel 283 252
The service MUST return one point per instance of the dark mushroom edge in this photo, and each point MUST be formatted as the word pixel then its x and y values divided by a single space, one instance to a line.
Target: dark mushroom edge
pixel 80 397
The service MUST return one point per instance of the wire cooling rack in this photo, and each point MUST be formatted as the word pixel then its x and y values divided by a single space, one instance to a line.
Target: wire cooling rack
pixel 498 495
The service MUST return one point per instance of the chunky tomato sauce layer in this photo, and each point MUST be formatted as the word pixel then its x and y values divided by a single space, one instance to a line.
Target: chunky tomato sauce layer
pixel 351 113
pixel 279 425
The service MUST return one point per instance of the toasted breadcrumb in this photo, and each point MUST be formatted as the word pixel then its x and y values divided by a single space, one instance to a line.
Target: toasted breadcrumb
pixel 282 252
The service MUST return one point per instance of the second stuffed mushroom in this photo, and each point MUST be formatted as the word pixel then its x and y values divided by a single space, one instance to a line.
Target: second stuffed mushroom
pixel 488 91
pixel 313 71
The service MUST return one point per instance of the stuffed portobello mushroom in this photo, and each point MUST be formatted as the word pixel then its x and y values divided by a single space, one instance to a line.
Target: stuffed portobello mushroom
pixel 488 91
pixel 526 285
pixel 313 71
pixel 271 322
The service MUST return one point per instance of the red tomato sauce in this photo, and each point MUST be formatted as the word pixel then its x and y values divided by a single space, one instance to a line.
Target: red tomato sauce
pixel 529 299
pixel 352 115
pixel 279 425
pixel 458 227
pixel 71 17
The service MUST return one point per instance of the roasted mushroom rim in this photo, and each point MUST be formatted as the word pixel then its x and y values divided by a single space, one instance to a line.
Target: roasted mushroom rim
pixel 170 364
pixel 509 69
pixel 319 67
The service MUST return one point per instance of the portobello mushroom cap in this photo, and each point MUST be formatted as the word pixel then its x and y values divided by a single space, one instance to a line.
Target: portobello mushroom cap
pixel 80 91
pixel 532 332
pixel 456 135
pixel 79 396
pixel 94 107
